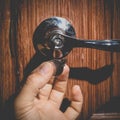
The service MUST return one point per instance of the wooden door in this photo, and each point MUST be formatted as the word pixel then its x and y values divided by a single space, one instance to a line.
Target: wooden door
pixel 92 19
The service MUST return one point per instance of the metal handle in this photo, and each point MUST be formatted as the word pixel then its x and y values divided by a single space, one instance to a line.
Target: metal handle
pixel 107 45
pixel 55 38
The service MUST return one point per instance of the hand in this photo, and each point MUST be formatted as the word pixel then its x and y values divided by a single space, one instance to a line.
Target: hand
pixel 39 99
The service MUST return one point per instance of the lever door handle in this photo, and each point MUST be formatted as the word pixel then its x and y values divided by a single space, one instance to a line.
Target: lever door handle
pixel 55 38
pixel 107 45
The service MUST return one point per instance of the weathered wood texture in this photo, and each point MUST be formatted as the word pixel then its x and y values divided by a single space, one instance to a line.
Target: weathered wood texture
pixel 7 73
pixel 92 19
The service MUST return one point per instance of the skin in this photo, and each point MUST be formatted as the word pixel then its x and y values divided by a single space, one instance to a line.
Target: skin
pixel 40 99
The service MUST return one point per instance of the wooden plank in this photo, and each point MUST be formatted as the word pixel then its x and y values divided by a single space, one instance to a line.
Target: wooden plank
pixel 7 73
pixel 106 116
pixel 116 56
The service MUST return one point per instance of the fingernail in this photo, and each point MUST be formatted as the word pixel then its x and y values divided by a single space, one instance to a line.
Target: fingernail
pixel 45 68
pixel 77 87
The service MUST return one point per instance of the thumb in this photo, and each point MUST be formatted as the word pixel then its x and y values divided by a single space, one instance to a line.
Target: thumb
pixel 39 77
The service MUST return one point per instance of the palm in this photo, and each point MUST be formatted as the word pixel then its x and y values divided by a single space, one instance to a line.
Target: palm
pixel 45 109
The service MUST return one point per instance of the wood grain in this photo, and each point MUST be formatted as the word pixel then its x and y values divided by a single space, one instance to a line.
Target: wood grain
pixel 116 56
pixel 7 73
pixel 92 19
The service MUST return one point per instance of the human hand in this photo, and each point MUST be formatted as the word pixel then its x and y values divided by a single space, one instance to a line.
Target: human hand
pixel 40 99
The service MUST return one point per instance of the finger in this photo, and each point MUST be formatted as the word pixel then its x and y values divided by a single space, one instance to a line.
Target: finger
pixel 36 80
pixel 74 109
pixel 58 91
pixel 46 90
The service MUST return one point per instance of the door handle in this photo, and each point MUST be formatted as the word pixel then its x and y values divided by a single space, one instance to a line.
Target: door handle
pixel 107 45
pixel 55 37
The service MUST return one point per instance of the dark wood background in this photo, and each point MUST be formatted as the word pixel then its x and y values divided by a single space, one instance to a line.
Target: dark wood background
pixel 92 19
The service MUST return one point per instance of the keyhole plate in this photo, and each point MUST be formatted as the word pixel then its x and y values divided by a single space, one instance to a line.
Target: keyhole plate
pixel 48 28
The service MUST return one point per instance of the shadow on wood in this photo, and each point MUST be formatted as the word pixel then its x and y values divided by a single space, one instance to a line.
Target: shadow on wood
pixel 92 76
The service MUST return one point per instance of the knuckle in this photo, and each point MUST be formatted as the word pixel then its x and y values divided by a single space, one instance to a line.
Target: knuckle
pixel 30 78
